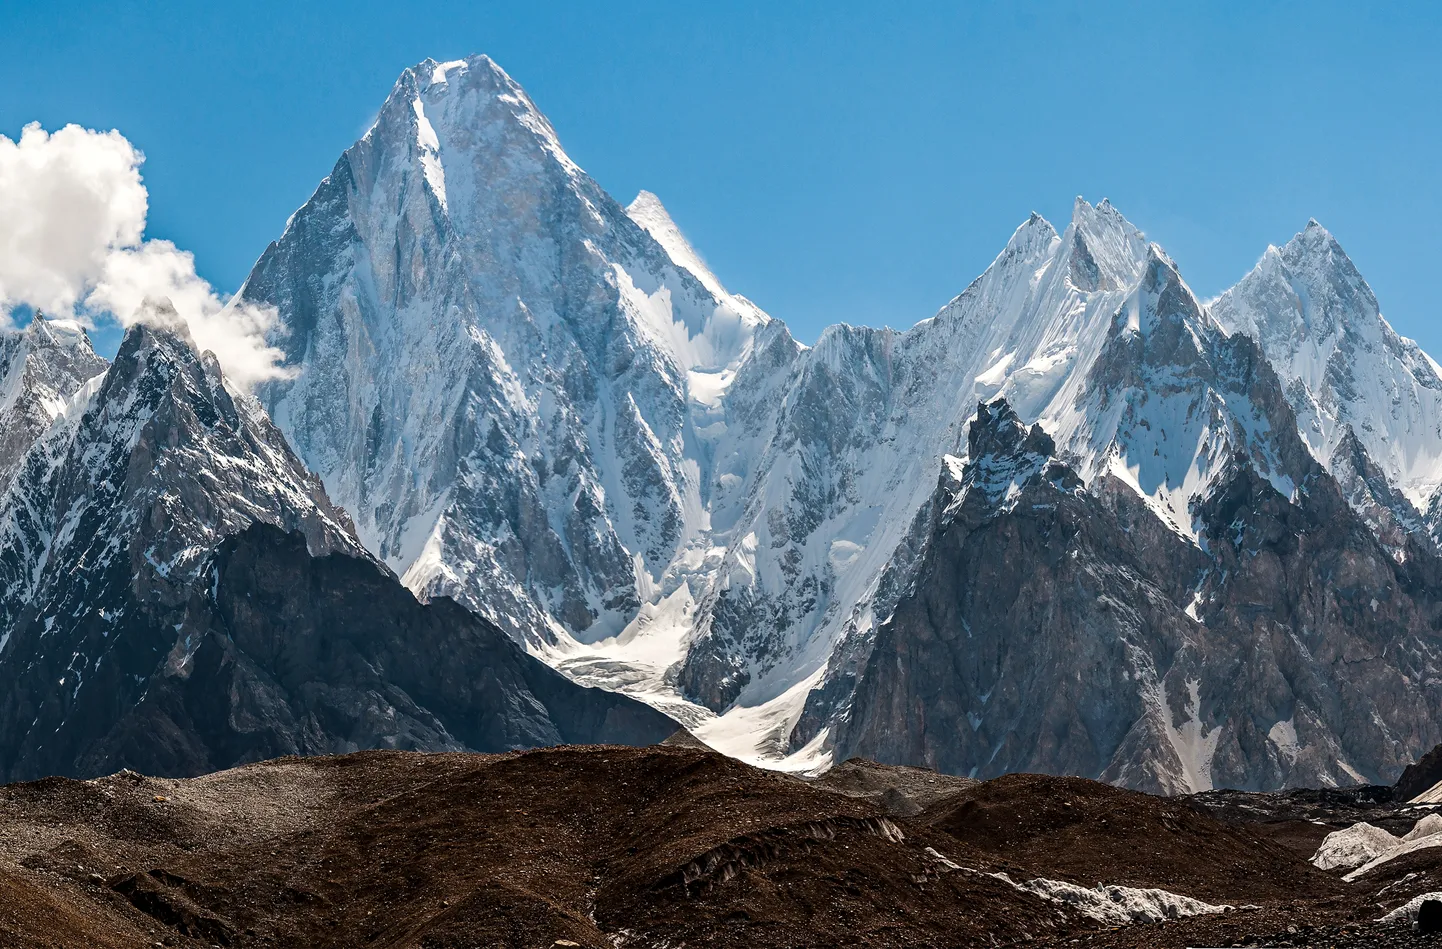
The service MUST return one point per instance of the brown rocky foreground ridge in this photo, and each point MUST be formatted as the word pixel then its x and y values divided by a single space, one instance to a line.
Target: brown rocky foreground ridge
pixel 674 846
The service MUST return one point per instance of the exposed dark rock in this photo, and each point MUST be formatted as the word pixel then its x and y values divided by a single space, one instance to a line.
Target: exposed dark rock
pixel 311 655
pixel 1030 631
pixel 1429 917
pixel 1420 776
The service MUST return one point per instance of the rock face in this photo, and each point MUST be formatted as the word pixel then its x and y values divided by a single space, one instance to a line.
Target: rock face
pixel 1421 776
pixel 109 528
pixel 1057 627
pixel 1033 636
pixel 1385 509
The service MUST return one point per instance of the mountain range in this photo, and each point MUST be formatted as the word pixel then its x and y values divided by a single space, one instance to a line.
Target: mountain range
pixel 1079 521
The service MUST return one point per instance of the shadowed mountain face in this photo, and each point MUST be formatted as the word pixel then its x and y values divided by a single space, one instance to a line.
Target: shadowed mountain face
pixel 105 533
pixel 1033 636
pixel 295 654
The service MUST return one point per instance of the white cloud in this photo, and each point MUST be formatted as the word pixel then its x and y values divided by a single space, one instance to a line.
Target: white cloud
pixel 65 201
pixel 156 270
pixel 72 220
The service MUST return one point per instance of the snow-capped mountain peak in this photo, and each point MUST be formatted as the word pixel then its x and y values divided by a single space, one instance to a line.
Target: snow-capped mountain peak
pixel 470 313
pixel 1168 399
pixel 1030 242
pixel 1308 290
pixel 41 368
pixel 453 98
pixel 1342 364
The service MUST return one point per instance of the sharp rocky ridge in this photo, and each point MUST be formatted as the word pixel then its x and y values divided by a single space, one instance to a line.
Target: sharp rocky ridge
pixel 545 406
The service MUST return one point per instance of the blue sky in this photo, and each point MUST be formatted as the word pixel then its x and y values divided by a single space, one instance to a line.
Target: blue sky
pixel 833 161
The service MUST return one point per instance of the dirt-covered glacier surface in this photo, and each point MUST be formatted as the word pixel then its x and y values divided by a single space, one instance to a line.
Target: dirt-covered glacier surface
pixel 673 845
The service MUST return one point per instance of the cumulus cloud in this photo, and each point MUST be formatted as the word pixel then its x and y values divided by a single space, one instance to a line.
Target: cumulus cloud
pixel 72 224
pixel 134 278
pixel 65 201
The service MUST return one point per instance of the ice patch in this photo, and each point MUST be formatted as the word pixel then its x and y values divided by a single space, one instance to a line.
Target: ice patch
pixel 707 387
pixel 993 378
pixel 1426 834
pixel 1120 905
pixel 1351 848
pixel 1109 904
pixel 1426 827
pixel 844 553
pixel 1284 736
pixel 1194 749
pixel 439 73
pixel 1408 910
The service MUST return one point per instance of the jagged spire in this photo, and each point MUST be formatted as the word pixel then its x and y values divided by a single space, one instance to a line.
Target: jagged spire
pixel 648 211
pixel 1105 250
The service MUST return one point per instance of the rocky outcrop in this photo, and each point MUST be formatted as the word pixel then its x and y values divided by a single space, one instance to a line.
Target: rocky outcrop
pixel 1325 655
pixel 1045 632
pixel 1421 776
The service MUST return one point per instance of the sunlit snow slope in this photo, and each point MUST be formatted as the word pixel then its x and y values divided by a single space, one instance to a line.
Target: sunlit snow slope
pixel 1344 367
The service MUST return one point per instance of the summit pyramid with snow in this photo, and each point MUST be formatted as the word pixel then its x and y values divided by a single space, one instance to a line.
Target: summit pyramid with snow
pixel 506 380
